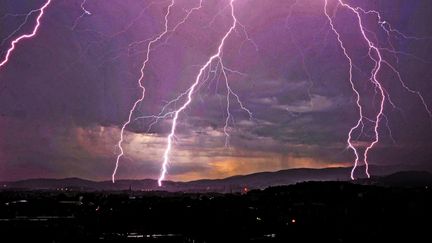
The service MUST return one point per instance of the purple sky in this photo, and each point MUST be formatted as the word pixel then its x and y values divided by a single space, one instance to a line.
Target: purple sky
pixel 65 93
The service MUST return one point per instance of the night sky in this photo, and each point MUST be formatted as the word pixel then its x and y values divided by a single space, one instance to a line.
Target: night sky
pixel 65 93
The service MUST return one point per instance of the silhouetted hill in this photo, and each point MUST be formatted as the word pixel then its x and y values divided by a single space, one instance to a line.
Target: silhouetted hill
pixel 407 178
pixel 291 176
pixel 52 183
pixel 230 184
pixel 81 184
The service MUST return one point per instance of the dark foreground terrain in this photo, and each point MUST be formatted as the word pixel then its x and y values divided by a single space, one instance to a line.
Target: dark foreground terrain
pixel 305 212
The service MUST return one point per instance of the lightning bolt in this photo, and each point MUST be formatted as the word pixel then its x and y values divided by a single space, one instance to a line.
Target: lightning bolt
pixel 140 84
pixel 377 66
pixel 217 57
pixel 84 13
pixel 360 109
pixel 230 93
pixel 377 62
pixel 376 56
pixel 150 46
pixel 14 42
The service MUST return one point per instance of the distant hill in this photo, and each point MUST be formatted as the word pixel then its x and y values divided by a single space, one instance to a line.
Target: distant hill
pixel 407 178
pixel 382 175
pixel 81 184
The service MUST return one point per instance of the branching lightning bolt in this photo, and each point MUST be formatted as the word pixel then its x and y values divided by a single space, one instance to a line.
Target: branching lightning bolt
pixel 228 97
pixel 375 55
pixel 374 73
pixel 150 47
pixel 216 57
pixel 84 13
pixel 14 42
pixel 360 109
pixel 140 83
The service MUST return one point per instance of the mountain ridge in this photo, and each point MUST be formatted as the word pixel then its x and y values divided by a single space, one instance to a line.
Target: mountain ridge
pixel 259 180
